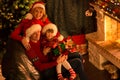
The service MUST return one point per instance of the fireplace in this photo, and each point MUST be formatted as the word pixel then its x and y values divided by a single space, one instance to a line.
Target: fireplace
pixel 104 45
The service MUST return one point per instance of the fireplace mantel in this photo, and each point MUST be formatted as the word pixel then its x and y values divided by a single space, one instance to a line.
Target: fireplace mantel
pixel 104 45
pixel 108 25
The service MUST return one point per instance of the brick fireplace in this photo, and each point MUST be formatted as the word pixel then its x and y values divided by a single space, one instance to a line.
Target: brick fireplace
pixel 104 45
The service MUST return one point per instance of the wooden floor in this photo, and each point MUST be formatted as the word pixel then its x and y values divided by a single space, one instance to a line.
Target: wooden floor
pixel 93 73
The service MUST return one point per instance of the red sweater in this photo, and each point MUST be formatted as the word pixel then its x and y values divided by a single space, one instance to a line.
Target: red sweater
pixel 24 24
pixel 42 62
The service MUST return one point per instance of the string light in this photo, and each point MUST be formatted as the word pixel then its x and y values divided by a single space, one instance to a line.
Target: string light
pixel 12 11
pixel 110 6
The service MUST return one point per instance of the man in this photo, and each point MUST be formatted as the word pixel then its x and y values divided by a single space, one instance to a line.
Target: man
pixel 34 53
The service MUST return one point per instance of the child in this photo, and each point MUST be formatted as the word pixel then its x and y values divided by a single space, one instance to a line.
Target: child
pixel 37 15
pixel 49 40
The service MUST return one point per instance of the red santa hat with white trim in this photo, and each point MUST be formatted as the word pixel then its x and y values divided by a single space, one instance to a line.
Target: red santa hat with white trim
pixel 36 4
pixel 55 29
pixel 50 26
pixel 31 30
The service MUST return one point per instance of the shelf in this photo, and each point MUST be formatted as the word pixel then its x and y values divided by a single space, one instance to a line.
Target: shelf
pixel 105 12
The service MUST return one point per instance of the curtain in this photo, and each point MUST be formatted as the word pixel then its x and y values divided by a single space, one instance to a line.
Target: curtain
pixel 69 16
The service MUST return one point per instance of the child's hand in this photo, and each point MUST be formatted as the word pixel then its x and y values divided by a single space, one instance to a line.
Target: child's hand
pixel 61 58
pixel 26 44
pixel 46 50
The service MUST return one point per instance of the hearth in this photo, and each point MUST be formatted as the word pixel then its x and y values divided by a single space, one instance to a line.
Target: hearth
pixel 104 45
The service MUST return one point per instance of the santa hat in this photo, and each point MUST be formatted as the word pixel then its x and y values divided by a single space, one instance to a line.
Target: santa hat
pixel 50 26
pixel 54 27
pixel 60 37
pixel 31 30
pixel 36 4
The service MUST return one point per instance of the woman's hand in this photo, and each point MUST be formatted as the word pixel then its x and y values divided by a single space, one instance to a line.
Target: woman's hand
pixel 26 43
pixel 61 58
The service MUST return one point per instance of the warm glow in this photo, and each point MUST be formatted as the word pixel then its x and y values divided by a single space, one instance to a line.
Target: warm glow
pixel 110 28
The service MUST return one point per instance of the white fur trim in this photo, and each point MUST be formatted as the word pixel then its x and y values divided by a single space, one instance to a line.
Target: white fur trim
pixel 50 26
pixel 28 16
pixel 39 5
pixel 60 38
pixel 32 29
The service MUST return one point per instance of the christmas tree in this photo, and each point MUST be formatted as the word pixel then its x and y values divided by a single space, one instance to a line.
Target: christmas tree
pixel 11 13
